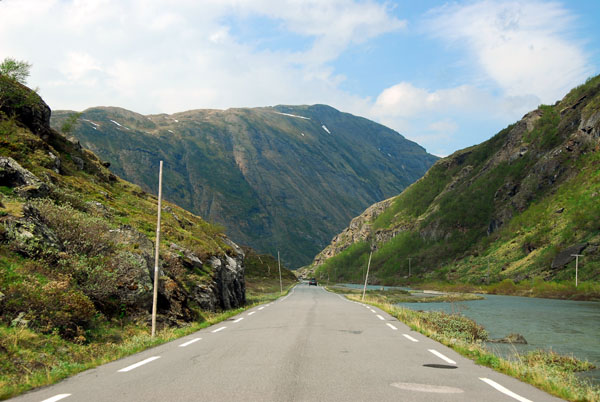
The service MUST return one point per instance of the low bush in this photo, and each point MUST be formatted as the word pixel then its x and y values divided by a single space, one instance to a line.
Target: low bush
pixel 50 306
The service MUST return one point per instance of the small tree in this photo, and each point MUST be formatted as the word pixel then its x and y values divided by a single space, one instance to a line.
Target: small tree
pixel 15 69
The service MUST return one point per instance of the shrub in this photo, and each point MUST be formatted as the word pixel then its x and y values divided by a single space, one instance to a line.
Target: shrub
pixel 454 326
pixel 80 233
pixel 51 306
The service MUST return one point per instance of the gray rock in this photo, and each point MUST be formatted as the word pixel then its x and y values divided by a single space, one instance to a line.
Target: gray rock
pixel 510 338
pixel 29 235
pixel 20 321
pixel 26 184
pixel 78 162
pixel 566 255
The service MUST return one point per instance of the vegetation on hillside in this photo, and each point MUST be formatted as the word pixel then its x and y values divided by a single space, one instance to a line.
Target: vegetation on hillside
pixel 514 207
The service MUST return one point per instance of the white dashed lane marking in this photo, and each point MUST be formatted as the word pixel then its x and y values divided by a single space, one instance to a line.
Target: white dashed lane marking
pixel 138 364
pixel 380 317
pixel 183 345
pixel 218 329
pixel 260 308
pixel 441 356
pixel 410 338
pixel 239 319
pixel 56 398
pixel 391 326
pixel 504 390
pixel 252 312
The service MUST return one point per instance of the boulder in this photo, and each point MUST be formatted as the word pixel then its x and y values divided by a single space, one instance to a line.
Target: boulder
pixel 26 184
pixel 510 338
pixel 20 321
pixel 29 235
pixel 566 256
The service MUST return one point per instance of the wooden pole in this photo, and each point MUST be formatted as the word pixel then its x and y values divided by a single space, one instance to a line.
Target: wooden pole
pixel 367 275
pixel 156 250
pixel 279 263
pixel 576 265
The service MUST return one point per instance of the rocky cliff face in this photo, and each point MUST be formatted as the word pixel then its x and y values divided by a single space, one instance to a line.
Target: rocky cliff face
pixel 278 178
pixel 519 199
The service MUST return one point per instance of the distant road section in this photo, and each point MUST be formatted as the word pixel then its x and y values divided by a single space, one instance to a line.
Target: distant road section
pixel 308 346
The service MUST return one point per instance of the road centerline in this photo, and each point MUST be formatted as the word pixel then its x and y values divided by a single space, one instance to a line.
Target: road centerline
pixel 56 398
pixel 441 356
pixel 410 338
pixel 138 364
pixel 504 390
pixel 183 345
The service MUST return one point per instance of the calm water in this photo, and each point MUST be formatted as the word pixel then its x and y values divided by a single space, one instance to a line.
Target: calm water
pixel 564 326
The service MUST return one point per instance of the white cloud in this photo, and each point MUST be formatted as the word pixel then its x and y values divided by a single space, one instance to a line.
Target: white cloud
pixel 156 56
pixel 522 46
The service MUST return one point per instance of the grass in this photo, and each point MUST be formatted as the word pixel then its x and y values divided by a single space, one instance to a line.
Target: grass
pixel 29 359
pixel 547 371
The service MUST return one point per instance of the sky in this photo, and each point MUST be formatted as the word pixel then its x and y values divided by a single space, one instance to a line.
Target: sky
pixel 447 75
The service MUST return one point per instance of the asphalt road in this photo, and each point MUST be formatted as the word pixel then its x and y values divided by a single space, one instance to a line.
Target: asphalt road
pixel 309 346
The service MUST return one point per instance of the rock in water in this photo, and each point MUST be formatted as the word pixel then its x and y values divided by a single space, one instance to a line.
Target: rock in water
pixel 510 338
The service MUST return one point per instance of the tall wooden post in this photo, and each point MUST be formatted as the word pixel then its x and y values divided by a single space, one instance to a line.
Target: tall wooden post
pixel 279 264
pixel 156 250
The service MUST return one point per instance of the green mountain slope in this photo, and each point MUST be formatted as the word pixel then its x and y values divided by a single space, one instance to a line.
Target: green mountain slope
pixel 285 177
pixel 76 242
pixel 514 207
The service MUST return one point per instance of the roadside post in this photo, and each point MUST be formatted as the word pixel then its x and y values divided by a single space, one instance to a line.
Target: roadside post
pixel 576 265
pixel 367 276
pixel 156 248
pixel 279 264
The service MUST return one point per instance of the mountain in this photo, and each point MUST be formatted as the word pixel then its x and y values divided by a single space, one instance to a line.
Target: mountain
pixel 517 206
pixel 76 241
pixel 278 178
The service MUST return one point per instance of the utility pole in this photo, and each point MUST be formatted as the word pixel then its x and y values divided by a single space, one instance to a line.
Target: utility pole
pixel 279 264
pixel 576 265
pixel 367 276
pixel 156 250
pixel 409 258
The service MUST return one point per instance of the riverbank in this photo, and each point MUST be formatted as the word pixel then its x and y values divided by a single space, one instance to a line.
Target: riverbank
pixel 29 359
pixel 394 296
pixel 548 371
pixel 564 290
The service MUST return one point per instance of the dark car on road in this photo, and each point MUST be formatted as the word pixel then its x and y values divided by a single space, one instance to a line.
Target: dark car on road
pixel 312 282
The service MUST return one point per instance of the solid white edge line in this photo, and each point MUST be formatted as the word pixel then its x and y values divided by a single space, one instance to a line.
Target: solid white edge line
pixel 410 338
pixel 252 312
pixel 239 319
pixel 218 329
pixel 138 364
pixel 380 317
pixel 391 326
pixel 441 356
pixel 504 390
pixel 56 398
pixel 183 345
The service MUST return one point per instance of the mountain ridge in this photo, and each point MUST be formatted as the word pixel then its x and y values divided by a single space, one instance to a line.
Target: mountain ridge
pixel 279 178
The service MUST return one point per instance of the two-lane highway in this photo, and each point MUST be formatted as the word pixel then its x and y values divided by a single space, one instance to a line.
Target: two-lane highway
pixel 308 346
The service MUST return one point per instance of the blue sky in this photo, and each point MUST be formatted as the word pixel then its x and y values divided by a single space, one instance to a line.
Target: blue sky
pixel 444 74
